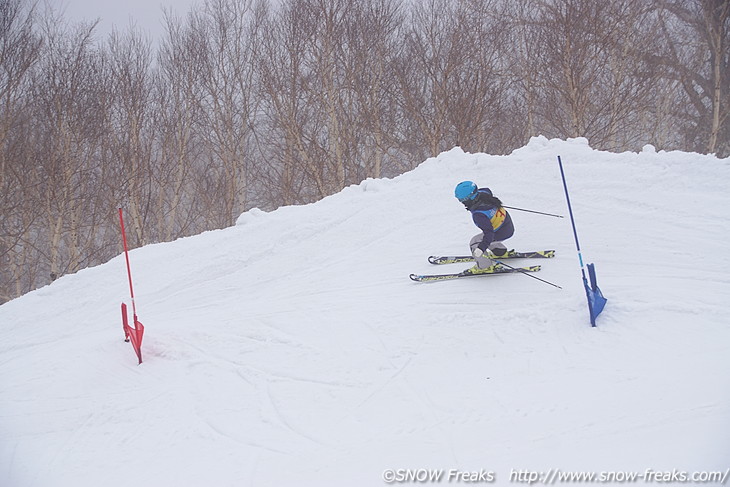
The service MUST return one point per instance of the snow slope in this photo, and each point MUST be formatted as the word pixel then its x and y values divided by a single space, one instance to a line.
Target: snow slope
pixel 293 350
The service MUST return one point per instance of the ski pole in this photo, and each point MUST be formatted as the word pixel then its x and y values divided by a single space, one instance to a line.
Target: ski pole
pixel 532 211
pixel 527 274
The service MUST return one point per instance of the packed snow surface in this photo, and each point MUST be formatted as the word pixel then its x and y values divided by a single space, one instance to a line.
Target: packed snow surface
pixel 293 350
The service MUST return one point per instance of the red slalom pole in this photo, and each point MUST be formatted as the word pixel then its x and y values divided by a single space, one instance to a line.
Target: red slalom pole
pixel 134 334
pixel 129 269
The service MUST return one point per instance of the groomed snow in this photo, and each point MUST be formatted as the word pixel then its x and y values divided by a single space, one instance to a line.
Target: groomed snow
pixel 293 350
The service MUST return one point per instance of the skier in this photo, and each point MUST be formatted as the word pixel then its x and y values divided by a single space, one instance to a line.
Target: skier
pixel 493 221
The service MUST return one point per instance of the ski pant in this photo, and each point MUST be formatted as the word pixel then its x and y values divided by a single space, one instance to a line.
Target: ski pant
pixel 483 262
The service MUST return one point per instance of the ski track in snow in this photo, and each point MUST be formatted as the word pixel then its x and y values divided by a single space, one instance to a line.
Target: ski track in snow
pixel 292 349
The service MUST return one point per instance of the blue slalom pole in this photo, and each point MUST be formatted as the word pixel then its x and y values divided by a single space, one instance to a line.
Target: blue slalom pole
pixel 595 298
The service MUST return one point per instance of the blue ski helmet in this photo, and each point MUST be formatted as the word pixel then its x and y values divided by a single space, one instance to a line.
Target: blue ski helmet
pixel 465 191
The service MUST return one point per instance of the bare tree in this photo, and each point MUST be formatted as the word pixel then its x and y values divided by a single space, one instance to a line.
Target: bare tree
pixel 594 77
pixel 20 48
pixel 525 70
pixel 697 54
pixel 451 76
pixel 69 126
pixel 130 167
pixel 372 44
pixel 282 76
pixel 183 176
pixel 301 77
pixel 328 21
pixel 430 56
pixel 231 43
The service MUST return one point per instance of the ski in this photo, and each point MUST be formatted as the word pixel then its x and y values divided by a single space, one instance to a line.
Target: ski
pixel 511 254
pixel 458 275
